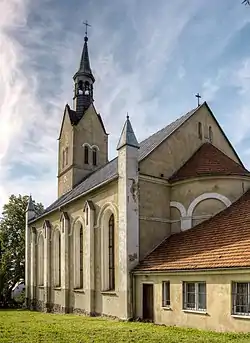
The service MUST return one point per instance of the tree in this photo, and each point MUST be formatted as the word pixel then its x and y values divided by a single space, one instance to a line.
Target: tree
pixel 246 2
pixel 12 243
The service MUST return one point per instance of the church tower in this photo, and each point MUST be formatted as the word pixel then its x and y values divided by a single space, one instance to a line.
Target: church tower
pixel 83 141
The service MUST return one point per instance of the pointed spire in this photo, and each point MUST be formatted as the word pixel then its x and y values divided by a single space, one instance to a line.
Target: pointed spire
pixel 84 68
pixel 30 206
pixel 127 136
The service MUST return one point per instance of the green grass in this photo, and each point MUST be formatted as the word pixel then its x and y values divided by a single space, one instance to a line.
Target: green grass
pixel 25 326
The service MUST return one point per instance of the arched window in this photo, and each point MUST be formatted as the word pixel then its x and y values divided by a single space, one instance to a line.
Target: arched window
pixel 81 258
pixel 111 253
pixel 41 261
pixel 57 258
pixel 94 153
pixel 200 130
pixel 78 255
pixel 210 134
pixel 86 154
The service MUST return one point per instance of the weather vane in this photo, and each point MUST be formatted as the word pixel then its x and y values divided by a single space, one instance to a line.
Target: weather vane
pixel 198 96
pixel 86 27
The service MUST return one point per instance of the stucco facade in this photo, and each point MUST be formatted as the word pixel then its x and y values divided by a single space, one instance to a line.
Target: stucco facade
pixel 83 251
pixel 218 314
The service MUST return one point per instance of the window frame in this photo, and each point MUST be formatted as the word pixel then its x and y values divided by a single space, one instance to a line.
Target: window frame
pixel 234 295
pixel 196 293
pixel 166 302
pixel 210 134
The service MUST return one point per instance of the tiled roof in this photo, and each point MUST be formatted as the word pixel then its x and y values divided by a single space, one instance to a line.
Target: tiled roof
pixel 220 242
pixel 206 161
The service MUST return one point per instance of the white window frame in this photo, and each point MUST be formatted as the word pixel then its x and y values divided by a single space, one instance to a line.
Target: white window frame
pixel 166 294
pixel 196 295
pixel 234 298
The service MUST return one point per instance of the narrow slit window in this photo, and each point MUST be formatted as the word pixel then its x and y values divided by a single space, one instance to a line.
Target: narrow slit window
pixel 111 253
pixel 86 154
pixel 81 258
pixel 200 130
pixel 94 156
pixel 210 134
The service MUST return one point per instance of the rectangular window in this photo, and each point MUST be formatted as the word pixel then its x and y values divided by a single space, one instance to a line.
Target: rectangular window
pixel 241 298
pixel 166 294
pixel 194 296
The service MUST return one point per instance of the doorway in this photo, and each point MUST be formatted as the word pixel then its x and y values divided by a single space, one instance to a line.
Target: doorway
pixel 148 302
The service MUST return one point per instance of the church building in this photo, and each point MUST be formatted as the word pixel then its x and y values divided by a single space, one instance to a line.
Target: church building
pixel 160 233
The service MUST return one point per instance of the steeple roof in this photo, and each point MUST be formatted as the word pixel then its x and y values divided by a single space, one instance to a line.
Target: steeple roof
pixel 30 206
pixel 84 68
pixel 127 136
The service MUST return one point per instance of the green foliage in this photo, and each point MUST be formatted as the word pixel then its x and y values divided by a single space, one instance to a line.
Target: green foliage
pixel 28 327
pixel 12 244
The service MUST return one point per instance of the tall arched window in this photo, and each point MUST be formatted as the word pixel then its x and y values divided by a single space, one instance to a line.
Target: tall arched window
pixel 78 255
pixel 57 258
pixel 111 253
pixel 81 258
pixel 86 154
pixel 41 260
pixel 94 154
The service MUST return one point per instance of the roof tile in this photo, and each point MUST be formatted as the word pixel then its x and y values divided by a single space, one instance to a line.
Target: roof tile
pixel 208 160
pixel 222 241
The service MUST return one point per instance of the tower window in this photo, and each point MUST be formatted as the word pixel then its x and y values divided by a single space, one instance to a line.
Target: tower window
pixel 200 130
pixel 210 134
pixel 111 253
pixel 94 152
pixel 86 154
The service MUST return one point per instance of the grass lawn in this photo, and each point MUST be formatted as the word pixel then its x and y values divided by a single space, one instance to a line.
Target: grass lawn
pixel 25 326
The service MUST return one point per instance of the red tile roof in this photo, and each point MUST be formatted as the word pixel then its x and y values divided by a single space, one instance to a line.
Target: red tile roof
pixel 222 241
pixel 207 161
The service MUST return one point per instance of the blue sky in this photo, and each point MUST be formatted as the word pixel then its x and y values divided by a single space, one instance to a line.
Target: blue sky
pixel 149 59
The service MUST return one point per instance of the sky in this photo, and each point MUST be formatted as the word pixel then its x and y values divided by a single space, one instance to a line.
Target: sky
pixel 149 59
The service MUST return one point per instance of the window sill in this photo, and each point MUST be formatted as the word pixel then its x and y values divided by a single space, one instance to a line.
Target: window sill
pixel 41 287
pixel 196 312
pixel 57 288
pixel 112 293
pixel 166 308
pixel 241 316
pixel 79 290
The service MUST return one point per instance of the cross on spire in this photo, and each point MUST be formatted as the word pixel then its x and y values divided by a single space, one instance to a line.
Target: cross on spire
pixel 86 27
pixel 198 96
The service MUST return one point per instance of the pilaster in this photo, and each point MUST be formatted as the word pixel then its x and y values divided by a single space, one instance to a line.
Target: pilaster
pixel 89 211
pixel 65 261
pixel 47 265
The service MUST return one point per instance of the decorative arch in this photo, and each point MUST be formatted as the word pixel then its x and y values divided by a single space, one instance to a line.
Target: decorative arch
pixel 112 207
pixel 180 207
pixel 95 147
pixel 205 196
pixel 107 221
pixel 40 257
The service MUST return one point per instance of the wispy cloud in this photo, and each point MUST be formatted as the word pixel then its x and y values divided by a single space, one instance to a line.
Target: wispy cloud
pixel 142 55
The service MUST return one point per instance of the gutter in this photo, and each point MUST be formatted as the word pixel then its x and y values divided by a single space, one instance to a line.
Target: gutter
pixel 174 271
pixel 77 197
